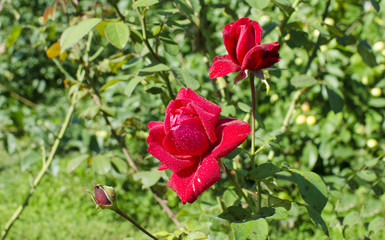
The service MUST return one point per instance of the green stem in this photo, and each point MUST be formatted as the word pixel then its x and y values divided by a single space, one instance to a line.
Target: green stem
pixel 146 42
pixel 259 189
pixel 118 211
pixel 253 109
pixel 285 123
pixel 43 170
pixel 239 189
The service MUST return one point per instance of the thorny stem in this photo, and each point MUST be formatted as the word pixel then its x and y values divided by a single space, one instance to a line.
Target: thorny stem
pixel 44 168
pixel 239 189
pixel 118 211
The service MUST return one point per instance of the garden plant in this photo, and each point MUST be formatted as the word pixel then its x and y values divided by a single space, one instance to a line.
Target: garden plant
pixel 192 119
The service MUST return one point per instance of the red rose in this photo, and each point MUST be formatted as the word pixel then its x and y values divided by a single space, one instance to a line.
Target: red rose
pixel 190 140
pixel 242 40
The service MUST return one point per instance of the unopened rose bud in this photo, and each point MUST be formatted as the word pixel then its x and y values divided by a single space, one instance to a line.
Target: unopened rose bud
pixel 105 197
pixel 305 107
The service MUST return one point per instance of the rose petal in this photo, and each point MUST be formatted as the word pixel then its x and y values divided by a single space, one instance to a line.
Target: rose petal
pixel 101 196
pixel 231 37
pixel 246 41
pixel 155 140
pixel 230 133
pixel 261 56
pixel 189 138
pixel 200 101
pixel 162 167
pixel 221 66
pixel 176 112
pixel 192 181
pixel 258 32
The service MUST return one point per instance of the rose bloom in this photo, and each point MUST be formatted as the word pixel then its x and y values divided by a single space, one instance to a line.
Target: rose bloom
pixel 245 53
pixel 190 140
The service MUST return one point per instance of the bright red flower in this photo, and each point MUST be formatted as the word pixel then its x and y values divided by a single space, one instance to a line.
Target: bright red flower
pixel 245 53
pixel 190 140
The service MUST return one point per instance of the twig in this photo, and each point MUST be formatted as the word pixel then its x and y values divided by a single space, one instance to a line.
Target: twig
pixel 44 168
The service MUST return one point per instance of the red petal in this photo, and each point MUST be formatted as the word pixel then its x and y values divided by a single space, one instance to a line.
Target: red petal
pixel 230 133
pixel 258 32
pixel 222 65
pixel 231 37
pixel 155 140
pixel 261 56
pixel 162 167
pixel 101 196
pixel 193 181
pixel 246 41
pixel 189 138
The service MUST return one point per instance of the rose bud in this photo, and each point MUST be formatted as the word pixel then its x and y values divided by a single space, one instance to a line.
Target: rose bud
pixel 105 197
pixel 245 53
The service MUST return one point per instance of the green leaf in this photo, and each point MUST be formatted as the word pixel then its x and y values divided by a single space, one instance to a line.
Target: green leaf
pixel 366 53
pixel 186 79
pixel 170 46
pixel 197 235
pixel 375 5
pixel 75 162
pixel 367 175
pixel 148 178
pixel 156 68
pixel 317 219
pixel 377 102
pixel 263 171
pixel 229 197
pixel 110 83
pixel 132 85
pixel 376 227
pixel 313 189
pixel 119 165
pixel 258 4
pixel 310 155
pixel 303 81
pixel 235 214
pixel 117 34
pixel 30 159
pixel 251 230
pixel 280 213
pixel 11 143
pixel 13 36
pixel 336 101
pixel 244 107
pixel 284 5
pixel 73 34
pixel 101 164
pixel 144 3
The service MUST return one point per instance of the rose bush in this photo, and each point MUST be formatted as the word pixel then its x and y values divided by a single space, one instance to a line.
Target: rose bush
pixel 245 53
pixel 190 140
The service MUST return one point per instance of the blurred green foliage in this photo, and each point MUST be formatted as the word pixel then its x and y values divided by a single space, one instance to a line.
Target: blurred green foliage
pixel 336 129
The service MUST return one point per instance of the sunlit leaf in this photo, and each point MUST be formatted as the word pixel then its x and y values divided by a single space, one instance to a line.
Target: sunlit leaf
pixel 73 34
pixel 117 34
pixel 144 3
pixel 54 50
pixel 253 230
pixel 13 36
